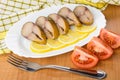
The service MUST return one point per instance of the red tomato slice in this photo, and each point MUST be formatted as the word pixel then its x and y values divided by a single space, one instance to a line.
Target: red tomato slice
pixel 83 58
pixel 110 38
pixel 99 48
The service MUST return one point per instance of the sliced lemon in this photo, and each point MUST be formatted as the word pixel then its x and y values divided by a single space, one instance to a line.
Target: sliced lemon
pixel 77 35
pixel 85 29
pixel 39 48
pixel 66 39
pixel 72 37
pixel 55 44
pixel 83 36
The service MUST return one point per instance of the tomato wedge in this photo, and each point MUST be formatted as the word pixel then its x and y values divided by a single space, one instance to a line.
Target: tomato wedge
pixel 83 58
pixel 112 39
pixel 99 48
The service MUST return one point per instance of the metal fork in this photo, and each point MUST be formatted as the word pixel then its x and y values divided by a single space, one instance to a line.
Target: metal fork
pixel 31 66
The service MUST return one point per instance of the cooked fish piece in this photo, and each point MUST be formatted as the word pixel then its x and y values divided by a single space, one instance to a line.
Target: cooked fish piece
pixel 48 26
pixel 32 32
pixel 62 24
pixel 70 16
pixel 84 15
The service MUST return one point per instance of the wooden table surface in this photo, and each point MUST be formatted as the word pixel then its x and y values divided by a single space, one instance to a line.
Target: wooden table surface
pixel 111 66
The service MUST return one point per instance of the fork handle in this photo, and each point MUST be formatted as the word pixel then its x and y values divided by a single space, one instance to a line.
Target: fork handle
pixel 98 74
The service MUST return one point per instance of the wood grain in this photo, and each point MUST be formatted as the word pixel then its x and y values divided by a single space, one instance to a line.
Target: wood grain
pixel 111 66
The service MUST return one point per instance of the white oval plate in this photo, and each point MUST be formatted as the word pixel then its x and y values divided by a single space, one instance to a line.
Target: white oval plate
pixel 20 46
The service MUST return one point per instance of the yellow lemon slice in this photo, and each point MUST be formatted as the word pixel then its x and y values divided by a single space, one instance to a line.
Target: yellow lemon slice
pixel 77 35
pixel 66 39
pixel 72 37
pixel 39 48
pixel 85 29
pixel 55 44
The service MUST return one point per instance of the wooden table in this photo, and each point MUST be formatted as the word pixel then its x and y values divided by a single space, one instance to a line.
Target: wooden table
pixel 111 66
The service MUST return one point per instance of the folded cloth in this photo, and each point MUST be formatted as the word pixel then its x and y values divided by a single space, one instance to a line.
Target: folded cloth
pixel 12 11
pixel 115 2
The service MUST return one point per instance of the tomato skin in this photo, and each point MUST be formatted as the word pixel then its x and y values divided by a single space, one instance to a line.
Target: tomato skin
pixel 89 60
pixel 100 48
pixel 112 39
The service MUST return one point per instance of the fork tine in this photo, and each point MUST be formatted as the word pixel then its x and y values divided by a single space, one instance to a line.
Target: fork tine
pixel 15 58
pixel 16 64
pixel 14 61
